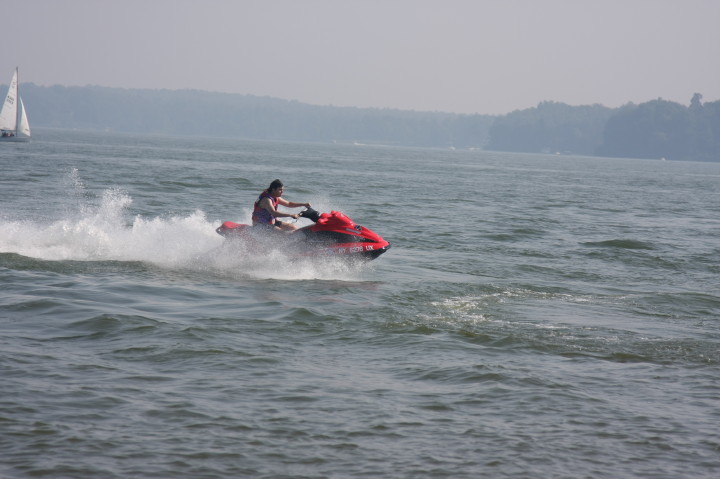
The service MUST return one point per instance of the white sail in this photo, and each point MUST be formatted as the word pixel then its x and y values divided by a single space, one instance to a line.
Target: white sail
pixel 13 119
pixel 23 125
pixel 8 115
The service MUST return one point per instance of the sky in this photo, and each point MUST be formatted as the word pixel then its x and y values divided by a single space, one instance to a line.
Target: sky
pixel 459 56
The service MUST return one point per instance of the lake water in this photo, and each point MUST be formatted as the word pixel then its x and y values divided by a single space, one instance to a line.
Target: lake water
pixel 537 315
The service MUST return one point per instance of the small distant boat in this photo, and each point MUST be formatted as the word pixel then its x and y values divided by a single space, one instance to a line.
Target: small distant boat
pixel 14 124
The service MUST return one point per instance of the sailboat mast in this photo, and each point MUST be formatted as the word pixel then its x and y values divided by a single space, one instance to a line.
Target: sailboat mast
pixel 18 110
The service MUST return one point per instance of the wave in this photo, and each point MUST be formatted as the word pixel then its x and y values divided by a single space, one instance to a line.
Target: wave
pixel 495 318
pixel 621 243
pixel 102 233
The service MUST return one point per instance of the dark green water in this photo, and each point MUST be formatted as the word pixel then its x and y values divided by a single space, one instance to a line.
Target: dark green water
pixel 537 316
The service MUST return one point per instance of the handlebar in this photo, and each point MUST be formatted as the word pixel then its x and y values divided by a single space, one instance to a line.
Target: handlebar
pixel 310 214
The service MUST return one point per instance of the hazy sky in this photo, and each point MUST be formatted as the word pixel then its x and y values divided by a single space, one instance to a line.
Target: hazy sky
pixel 465 56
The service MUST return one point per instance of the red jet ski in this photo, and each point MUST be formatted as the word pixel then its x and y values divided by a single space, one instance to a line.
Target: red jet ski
pixel 332 234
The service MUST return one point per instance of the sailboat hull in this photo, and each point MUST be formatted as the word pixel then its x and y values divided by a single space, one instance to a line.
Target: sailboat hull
pixel 15 139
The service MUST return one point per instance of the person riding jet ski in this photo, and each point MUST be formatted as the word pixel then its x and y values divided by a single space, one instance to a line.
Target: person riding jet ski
pixel 330 234
pixel 265 212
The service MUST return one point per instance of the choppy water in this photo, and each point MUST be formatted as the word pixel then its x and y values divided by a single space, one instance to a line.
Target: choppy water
pixel 537 316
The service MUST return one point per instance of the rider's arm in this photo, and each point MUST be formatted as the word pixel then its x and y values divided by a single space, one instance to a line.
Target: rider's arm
pixel 268 206
pixel 292 204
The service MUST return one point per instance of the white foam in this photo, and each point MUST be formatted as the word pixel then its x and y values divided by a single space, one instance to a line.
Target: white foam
pixel 105 232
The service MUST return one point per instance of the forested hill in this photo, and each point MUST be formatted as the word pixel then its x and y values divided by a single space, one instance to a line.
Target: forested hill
pixel 200 113
pixel 656 129
pixel 664 129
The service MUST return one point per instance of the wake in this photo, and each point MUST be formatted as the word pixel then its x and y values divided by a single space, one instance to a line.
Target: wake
pixel 106 232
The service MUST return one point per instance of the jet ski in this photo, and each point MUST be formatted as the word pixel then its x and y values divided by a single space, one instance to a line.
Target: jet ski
pixel 331 234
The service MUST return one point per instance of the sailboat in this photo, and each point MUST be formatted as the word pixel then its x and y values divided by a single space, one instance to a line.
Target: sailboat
pixel 14 124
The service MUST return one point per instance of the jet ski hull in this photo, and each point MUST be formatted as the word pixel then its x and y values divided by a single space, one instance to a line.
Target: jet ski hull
pixel 333 234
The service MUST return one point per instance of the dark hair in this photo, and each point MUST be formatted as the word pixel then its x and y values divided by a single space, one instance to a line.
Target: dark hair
pixel 275 184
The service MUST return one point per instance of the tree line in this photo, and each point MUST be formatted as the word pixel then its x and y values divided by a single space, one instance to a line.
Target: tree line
pixel 201 113
pixel 655 129
pixel 664 129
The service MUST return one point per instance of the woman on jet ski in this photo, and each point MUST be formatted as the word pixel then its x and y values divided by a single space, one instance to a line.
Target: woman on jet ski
pixel 265 211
